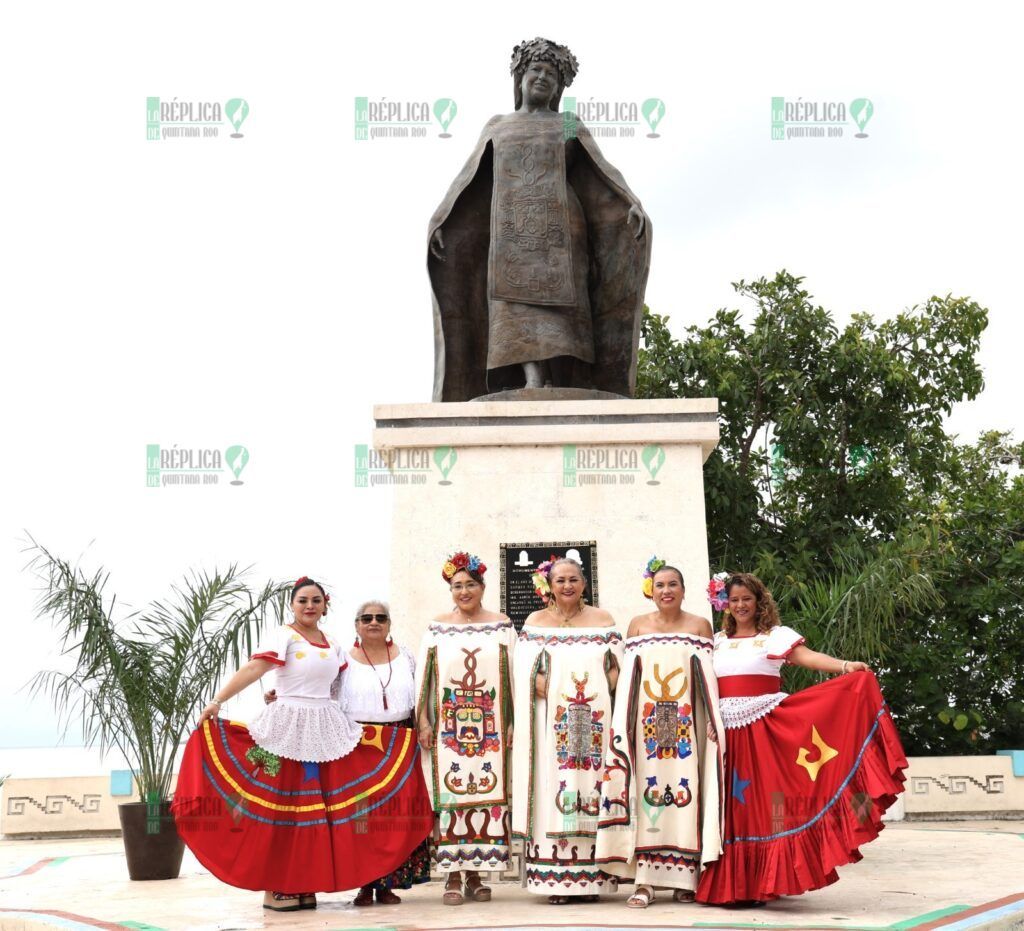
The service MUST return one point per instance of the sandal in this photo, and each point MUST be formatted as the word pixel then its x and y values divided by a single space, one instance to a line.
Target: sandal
pixel 387 897
pixel 558 900
pixel 281 902
pixel 684 895
pixel 641 898
pixel 477 891
pixel 307 900
pixel 453 894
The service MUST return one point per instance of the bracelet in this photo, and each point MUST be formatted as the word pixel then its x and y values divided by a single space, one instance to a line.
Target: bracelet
pixel 214 701
pixel 846 662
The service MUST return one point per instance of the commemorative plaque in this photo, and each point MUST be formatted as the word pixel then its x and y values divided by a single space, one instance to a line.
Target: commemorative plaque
pixel 520 560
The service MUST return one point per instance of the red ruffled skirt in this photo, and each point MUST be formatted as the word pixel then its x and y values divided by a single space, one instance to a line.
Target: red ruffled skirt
pixel 806 786
pixel 258 821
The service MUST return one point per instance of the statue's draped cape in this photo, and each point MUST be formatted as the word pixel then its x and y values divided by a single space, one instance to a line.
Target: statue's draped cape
pixel 611 272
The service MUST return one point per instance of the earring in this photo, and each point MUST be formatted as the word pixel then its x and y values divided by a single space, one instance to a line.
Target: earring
pixel 389 641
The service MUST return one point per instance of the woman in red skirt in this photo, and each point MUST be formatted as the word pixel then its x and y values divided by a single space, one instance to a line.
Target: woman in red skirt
pixel 304 798
pixel 808 776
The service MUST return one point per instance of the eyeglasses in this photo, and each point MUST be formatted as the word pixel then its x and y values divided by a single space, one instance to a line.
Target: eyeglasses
pixel 366 618
pixel 465 586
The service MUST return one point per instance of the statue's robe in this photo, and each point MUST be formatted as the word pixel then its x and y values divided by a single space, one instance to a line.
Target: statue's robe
pixel 539 263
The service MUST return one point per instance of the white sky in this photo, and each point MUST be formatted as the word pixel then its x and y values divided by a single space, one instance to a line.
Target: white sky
pixel 268 291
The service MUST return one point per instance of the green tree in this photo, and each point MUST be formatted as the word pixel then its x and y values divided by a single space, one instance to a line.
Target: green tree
pixel 836 482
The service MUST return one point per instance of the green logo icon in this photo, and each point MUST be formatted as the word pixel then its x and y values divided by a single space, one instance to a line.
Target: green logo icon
pixel 445 110
pixel 653 110
pixel 861 110
pixel 653 458
pixel 236 458
pixel 236 110
pixel 445 458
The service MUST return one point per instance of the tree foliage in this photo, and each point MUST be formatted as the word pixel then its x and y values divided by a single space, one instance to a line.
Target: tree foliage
pixel 835 480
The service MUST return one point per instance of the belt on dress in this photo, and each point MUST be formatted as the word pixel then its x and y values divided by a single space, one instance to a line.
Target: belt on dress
pixel 747 686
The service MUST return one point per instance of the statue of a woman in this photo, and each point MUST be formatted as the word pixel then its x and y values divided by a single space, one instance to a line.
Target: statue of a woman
pixel 538 256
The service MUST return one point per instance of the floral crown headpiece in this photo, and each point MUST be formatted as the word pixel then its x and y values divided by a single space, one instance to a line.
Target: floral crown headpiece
pixel 461 561
pixel 717 595
pixel 653 565
pixel 539 577
pixel 306 580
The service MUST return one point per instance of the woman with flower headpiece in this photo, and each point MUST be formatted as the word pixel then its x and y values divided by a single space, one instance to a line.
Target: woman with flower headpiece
pixel 464 713
pixel 567 666
pixel 809 775
pixel 287 803
pixel 661 818
pixel 538 256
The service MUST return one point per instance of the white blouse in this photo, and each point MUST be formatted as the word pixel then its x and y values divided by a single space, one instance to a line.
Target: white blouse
pixel 362 696
pixel 305 723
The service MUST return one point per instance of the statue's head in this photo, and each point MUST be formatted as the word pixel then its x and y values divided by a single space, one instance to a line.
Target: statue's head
pixel 563 61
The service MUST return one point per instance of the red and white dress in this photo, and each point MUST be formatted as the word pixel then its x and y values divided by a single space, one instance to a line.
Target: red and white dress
pixel 808 776
pixel 304 799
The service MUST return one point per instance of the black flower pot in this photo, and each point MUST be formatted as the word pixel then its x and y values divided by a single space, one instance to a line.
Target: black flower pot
pixel 151 841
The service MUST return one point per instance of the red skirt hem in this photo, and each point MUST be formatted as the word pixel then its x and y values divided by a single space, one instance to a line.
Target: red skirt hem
pixel 261 822
pixel 786 830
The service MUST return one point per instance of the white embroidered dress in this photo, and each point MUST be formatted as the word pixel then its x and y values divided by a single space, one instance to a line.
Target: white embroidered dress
pixel 662 798
pixel 305 723
pixel 465 687
pixel 558 755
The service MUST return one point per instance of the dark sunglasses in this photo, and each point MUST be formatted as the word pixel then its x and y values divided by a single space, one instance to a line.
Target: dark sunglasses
pixel 366 618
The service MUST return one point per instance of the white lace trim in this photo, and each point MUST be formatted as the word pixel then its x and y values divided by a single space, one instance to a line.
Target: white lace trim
pixel 739 712
pixel 312 731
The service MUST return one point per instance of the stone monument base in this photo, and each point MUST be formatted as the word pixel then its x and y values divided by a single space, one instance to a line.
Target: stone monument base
pixel 626 474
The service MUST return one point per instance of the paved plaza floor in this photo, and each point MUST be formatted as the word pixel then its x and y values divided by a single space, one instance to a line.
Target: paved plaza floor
pixel 920 876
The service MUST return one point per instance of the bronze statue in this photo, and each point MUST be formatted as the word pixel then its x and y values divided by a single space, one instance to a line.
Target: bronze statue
pixel 539 253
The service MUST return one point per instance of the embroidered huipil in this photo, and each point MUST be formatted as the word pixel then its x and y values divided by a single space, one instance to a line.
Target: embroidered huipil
pixel 662 798
pixel 305 723
pixel 559 753
pixel 464 681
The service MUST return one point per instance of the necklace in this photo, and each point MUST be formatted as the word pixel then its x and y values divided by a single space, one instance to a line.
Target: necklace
pixel 383 685
pixel 566 617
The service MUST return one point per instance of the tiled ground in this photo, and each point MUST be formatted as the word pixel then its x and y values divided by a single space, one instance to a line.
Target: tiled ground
pixel 961 876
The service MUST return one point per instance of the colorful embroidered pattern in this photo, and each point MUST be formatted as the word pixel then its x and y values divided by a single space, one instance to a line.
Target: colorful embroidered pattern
pixel 467 714
pixel 613 636
pixel 578 730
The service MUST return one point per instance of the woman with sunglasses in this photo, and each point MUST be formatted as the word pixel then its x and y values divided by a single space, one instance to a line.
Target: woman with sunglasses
pixel 464 712
pixel 378 686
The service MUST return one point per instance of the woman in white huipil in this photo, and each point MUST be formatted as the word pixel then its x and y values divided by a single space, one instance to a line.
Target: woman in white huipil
pixel 378 686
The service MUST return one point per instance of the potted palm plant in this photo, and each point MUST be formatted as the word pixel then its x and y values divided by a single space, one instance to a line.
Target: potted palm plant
pixel 139 682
